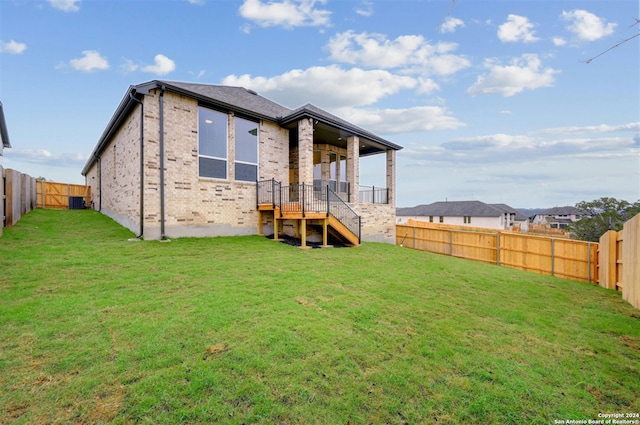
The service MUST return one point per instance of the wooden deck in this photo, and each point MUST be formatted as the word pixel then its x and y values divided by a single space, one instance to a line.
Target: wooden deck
pixel 293 212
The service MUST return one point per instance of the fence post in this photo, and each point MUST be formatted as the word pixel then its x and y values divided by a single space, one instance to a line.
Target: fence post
pixel 588 262
pixel 414 237
pixel 553 258
pixel 451 242
pixel 373 194
pixel 498 248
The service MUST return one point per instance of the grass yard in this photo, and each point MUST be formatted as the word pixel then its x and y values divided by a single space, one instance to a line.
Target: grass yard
pixel 245 330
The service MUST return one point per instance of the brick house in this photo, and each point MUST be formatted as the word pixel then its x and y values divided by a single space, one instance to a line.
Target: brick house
pixel 189 160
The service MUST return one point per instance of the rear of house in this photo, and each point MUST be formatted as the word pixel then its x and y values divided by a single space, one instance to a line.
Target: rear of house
pixel 181 159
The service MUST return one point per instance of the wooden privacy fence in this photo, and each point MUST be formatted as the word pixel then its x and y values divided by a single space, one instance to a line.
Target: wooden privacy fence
pixel 569 259
pixel 17 196
pixel 63 195
pixel 619 261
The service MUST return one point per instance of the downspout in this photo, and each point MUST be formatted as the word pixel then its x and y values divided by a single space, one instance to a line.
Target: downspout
pixel 141 163
pixel 162 235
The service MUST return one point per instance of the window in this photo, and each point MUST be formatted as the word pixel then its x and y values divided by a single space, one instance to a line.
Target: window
pixel 430 219
pixel 246 150
pixel 333 170
pixel 343 173
pixel 467 219
pixel 317 169
pixel 212 143
pixel 441 218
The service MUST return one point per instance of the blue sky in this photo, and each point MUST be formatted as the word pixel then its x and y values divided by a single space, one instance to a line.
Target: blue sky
pixel 492 100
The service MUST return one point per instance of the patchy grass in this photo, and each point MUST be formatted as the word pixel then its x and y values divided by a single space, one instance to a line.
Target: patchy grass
pixel 96 329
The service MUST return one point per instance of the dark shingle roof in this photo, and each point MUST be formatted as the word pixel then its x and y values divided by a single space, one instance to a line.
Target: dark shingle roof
pixel 235 98
pixel 4 133
pixel 453 209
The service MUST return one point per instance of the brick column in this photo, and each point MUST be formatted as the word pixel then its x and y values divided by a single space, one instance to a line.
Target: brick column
pixel 353 167
pixel 391 176
pixel 305 151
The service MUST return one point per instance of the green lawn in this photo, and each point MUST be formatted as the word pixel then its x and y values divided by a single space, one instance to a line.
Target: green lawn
pixel 97 329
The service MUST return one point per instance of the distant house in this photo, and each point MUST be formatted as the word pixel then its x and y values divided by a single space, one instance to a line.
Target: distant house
pixel 183 159
pixel 4 134
pixel 558 217
pixel 462 213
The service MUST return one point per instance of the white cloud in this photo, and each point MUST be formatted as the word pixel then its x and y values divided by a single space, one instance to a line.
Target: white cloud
pixel 524 73
pixel 517 28
pixel 586 25
pixel 559 41
pixel 327 87
pixel 395 121
pixel 162 66
pixel 65 5
pixel 427 86
pixel 91 61
pixel 365 8
pixel 12 47
pixel 595 129
pixel 46 157
pixel 451 24
pixel 285 13
pixel 508 148
pixel 129 66
pixel 196 2
pixel 411 52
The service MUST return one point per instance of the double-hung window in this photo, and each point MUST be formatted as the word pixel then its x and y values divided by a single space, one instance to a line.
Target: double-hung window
pixel 246 160
pixel 212 143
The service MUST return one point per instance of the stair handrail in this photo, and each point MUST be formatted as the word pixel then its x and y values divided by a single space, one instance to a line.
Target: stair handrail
pixel 343 213
pixel 335 205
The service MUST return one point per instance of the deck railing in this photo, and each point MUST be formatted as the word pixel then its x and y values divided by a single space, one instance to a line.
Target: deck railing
pixel 374 195
pixel 269 192
pixel 341 188
pixel 305 198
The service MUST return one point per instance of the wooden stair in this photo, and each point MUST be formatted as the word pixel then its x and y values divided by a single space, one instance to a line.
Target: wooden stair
pixel 329 223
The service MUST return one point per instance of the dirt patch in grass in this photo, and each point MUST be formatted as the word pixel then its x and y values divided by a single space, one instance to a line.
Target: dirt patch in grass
pixel 213 350
pixel 631 342
pixel 107 405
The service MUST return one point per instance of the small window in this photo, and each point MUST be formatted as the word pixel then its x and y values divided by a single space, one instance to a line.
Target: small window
pixel 441 218
pixel 246 143
pixel 467 219
pixel 212 143
pixel 430 219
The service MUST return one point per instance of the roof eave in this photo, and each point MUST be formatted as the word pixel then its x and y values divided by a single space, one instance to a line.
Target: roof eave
pixel 126 104
pixel 306 113
pixel 4 133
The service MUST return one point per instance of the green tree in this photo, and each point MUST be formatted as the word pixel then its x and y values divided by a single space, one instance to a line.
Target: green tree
pixel 603 214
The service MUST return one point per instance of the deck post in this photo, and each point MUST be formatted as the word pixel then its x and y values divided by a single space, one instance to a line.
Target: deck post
pixel 275 227
pixel 324 232
pixel 303 199
pixel 273 192
pixel 328 209
pixel 303 233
